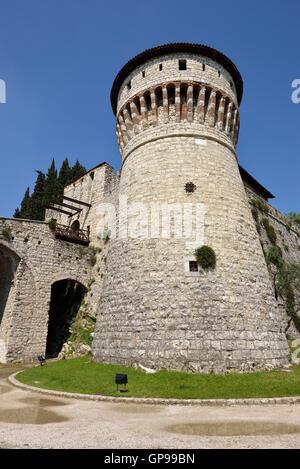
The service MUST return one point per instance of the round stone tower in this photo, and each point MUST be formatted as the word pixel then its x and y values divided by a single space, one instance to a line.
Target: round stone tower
pixel 177 112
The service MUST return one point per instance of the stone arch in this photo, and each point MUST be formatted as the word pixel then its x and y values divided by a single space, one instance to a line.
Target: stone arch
pixel 66 298
pixel 75 226
pixel 18 305
pixel 9 262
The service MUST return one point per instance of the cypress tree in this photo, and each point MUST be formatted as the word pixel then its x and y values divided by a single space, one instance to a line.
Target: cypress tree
pixel 51 186
pixel 64 177
pixel 48 190
pixel 37 198
pixel 25 210
pixel 77 171
pixel 17 213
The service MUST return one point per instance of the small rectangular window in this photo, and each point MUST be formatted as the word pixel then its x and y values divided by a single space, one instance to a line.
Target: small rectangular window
pixel 129 85
pixel 143 74
pixel 203 67
pixel 182 64
pixel 193 266
pixel 160 67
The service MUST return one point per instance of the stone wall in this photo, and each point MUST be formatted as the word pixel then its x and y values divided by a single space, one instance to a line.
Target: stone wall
pixel 287 239
pixel 37 260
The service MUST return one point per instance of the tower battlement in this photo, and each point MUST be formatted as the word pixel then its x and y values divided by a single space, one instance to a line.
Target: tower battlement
pixel 190 92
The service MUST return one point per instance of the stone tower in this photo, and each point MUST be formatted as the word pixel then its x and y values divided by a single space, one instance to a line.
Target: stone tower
pixel 177 111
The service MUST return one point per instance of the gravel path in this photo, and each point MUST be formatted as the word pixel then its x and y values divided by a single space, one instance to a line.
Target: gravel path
pixel 30 420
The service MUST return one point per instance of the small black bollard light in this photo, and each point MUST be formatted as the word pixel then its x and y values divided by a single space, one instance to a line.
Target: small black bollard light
pixel 121 379
pixel 42 360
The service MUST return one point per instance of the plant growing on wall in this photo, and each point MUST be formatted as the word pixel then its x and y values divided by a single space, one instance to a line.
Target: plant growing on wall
pixel 52 224
pixel 6 233
pixel 261 206
pixel 206 257
pixel 269 230
pixel 286 280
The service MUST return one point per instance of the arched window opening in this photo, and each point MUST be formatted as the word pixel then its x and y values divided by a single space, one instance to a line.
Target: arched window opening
pixel 196 92
pixel 138 104
pixel 147 98
pixel 171 94
pixel 159 97
pixel 75 226
pixel 183 101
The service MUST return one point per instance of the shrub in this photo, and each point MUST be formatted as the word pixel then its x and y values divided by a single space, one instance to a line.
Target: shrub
pixel 261 206
pixel 52 224
pixel 206 257
pixel 274 256
pixel 269 230
pixel 93 250
pixel 93 259
pixel 106 236
pixel 254 212
pixel 6 234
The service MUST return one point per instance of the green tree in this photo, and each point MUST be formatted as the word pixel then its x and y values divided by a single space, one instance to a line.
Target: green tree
pixel 51 193
pixel 64 177
pixel 17 213
pixel 77 171
pixel 294 217
pixel 48 189
pixel 25 209
pixel 37 198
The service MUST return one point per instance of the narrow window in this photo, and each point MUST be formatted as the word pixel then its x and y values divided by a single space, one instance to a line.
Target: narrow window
pixel 143 74
pixel 182 64
pixel 160 67
pixel 129 85
pixel 203 67
pixel 193 266
pixel 219 73
pixel 92 175
pixel 231 85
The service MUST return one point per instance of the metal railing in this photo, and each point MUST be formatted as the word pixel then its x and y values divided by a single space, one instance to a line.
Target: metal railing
pixel 67 233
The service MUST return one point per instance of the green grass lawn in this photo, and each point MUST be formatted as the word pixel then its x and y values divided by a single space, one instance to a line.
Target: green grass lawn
pixel 82 375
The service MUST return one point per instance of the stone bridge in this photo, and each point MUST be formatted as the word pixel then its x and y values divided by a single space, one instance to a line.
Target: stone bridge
pixel 36 268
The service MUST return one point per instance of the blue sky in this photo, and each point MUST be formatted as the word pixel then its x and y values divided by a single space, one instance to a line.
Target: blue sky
pixel 59 58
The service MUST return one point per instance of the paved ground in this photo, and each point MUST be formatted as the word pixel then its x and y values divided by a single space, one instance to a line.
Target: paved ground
pixel 29 420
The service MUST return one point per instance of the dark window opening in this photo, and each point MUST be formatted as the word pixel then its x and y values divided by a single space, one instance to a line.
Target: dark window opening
pixel 231 85
pixel 171 95
pixel 183 94
pixel 159 97
pixel 148 100
pixel 143 74
pixel 196 96
pixel 138 104
pixel 129 85
pixel 160 67
pixel 203 67
pixel 190 187
pixel 219 73
pixel 193 266
pixel 92 175
pixel 182 64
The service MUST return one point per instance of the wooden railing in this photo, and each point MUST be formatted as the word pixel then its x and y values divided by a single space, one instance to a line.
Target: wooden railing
pixel 67 233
